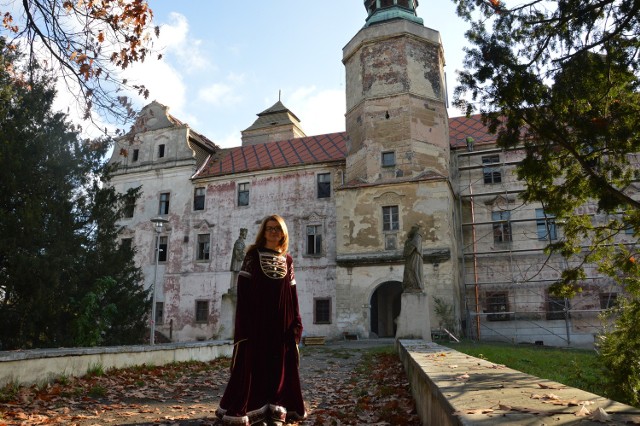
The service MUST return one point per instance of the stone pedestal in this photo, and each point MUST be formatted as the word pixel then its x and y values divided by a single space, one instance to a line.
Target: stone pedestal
pixel 228 310
pixel 413 322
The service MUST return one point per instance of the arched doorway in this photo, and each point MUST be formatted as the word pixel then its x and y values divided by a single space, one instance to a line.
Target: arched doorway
pixel 385 308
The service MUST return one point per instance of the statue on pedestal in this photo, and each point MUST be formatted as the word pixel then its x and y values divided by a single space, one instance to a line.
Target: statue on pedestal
pixel 237 256
pixel 412 280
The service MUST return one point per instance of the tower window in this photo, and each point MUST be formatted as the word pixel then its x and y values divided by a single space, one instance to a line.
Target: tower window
pixel 161 150
pixel 388 159
pixel 136 153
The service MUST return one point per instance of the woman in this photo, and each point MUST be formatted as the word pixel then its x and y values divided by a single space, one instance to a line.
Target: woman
pixel 264 387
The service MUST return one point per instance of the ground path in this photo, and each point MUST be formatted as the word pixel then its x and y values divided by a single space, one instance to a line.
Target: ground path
pixel 344 383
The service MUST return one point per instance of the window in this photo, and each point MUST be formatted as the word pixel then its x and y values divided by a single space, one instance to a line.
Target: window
pixel 497 306
pixel 322 310
pixel 129 206
pixel 608 300
pixel 159 312
pixel 198 199
pixel 163 207
pixel 243 194
pixel 390 221
pixel 556 308
pixel 501 226
pixel 314 239
pixel 324 185
pixel 202 310
pixel 126 243
pixel 136 153
pixel 492 174
pixel 161 150
pixel 546 226
pixel 162 253
pixel 388 159
pixel 203 247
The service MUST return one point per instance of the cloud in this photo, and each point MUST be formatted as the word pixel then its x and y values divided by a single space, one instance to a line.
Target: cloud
pixel 320 112
pixel 175 41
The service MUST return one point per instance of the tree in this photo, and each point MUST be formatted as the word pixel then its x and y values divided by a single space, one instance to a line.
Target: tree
pixel 58 226
pixel 85 43
pixel 561 80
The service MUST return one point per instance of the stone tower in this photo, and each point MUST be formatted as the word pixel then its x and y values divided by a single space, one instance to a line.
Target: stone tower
pixel 397 168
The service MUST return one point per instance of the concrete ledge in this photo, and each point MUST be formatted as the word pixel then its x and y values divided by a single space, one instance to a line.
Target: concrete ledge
pixel 43 365
pixel 451 388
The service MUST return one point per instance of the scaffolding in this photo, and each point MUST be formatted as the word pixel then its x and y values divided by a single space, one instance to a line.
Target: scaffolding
pixel 506 273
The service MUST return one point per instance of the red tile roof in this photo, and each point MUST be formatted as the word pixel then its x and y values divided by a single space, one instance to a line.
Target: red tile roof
pixel 462 127
pixel 291 152
pixel 318 149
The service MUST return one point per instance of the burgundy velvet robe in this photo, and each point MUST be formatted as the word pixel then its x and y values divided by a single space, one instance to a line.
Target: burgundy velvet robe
pixel 265 379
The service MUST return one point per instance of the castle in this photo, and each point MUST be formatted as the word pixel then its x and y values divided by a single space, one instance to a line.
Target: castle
pixel 349 200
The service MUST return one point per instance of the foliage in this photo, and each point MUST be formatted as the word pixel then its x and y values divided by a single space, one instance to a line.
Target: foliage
pixel 85 42
pixel 620 351
pixel 563 82
pixel 58 226
pixel 561 78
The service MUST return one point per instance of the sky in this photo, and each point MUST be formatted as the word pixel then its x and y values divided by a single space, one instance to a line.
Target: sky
pixel 226 61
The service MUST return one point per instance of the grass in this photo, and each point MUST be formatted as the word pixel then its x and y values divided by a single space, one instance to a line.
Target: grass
pixel 578 368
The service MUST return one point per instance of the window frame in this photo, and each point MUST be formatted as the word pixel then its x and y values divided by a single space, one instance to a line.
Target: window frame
pixel 503 225
pixel 384 161
pixel 546 226
pixel 497 305
pixel 164 204
pixel 163 247
pixel 316 319
pixel 391 225
pixel 199 311
pixel 129 209
pixel 244 189
pixel 491 174
pixel 323 188
pixel 203 248
pixel 317 240
pixel 159 313
pixel 551 308
pixel 199 199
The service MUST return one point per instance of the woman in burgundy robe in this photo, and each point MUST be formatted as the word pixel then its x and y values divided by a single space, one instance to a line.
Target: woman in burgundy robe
pixel 264 387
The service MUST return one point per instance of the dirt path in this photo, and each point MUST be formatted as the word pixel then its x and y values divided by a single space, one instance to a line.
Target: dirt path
pixel 344 383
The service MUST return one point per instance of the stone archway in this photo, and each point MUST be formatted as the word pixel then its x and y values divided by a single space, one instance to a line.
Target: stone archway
pixel 385 308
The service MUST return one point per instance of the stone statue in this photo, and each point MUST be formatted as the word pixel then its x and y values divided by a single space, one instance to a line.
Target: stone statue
pixel 413 278
pixel 237 256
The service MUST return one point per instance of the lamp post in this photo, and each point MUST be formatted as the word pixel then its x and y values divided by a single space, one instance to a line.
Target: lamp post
pixel 158 222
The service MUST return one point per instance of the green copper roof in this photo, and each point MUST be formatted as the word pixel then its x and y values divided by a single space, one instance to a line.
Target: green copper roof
pixel 386 10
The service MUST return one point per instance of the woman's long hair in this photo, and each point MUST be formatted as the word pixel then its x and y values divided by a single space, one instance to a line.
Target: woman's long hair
pixel 261 240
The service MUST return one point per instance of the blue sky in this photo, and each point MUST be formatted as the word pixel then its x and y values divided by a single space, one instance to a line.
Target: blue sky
pixel 226 61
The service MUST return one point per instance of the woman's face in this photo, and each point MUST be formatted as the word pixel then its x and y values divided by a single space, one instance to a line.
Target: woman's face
pixel 273 234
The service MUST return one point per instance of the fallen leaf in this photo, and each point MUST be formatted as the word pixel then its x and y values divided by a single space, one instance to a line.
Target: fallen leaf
pixel 582 412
